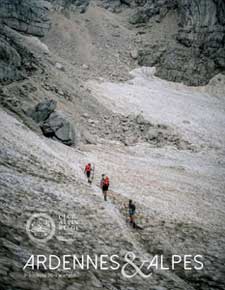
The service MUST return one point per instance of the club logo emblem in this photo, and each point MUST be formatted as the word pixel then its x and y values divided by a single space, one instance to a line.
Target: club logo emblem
pixel 40 227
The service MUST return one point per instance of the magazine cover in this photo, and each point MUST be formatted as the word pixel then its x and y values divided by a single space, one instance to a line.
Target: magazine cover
pixel 112 145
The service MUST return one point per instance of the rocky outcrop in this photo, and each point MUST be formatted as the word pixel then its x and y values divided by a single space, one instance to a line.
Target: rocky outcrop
pixel 148 8
pixel 199 53
pixel 16 59
pixel 53 124
pixel 57 126
pixel 82 5
pixel 42 111
pixel 70 4
pixel 116 5
pixel 28 16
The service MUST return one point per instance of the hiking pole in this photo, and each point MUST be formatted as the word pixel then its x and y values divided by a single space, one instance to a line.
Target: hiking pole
pixel 93 173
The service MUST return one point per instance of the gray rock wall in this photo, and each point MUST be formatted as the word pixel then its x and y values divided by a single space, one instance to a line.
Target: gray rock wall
pixel 70 4
pixel 197 55
pixel 200 50
pixel 28 16
pixel 16 59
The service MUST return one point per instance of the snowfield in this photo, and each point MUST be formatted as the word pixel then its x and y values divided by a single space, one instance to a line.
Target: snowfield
pixel 198 115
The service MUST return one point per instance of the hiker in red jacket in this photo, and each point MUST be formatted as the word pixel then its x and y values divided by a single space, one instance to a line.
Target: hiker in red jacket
pixel 104 185
pixel 87 171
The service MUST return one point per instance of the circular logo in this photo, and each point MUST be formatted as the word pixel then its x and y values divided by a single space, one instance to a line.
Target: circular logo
pixel 40 227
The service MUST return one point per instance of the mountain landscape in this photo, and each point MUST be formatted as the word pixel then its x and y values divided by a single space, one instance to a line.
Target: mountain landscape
pixel 136 88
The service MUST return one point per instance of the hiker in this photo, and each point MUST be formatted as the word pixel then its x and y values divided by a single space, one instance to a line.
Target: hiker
pixel 104 185
pixel 87 171
pixel 132 209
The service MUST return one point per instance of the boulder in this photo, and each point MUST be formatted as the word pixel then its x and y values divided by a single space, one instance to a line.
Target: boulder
pixel 42 110
pixel 59 127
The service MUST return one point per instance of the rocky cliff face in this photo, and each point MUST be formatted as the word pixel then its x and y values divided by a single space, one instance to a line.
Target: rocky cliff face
pixel 30 17
pixel 202 35
pixel 70 4
pixel 199 52
pixel 16 59
pixel 26 16
pixel 194 58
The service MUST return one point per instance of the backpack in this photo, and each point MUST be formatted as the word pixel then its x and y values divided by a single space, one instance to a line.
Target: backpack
pixel 88 168
pixel 106 181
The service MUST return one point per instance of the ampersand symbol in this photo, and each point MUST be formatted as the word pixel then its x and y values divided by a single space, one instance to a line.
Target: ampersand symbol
pixel 129 258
